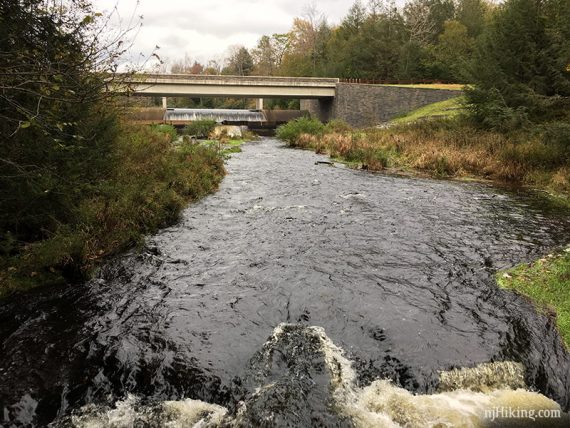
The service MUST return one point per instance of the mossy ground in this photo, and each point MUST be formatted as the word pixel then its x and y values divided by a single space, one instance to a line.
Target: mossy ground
pixel 547 283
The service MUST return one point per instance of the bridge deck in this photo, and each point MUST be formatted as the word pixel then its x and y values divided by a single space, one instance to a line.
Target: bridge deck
pixel 231 86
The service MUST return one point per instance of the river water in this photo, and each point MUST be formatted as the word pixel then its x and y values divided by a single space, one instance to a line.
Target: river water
pixel 298 294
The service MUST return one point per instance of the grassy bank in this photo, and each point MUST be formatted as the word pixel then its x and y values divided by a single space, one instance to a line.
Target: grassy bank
pixel 446 148
pixel 443 109
pixel 547 283
pixel 150 182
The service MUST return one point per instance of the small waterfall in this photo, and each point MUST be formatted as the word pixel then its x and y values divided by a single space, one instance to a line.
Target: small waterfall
pixel 218 115
pixel 289 371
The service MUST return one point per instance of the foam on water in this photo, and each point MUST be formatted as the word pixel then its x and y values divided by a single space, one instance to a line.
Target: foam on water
pixel 469 392
pixel 383 404
pixel 484 377
pixel 130 413
pixel 193 413
pixel 463 398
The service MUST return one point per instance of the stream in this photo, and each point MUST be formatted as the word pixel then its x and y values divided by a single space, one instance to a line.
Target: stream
pixel 299 294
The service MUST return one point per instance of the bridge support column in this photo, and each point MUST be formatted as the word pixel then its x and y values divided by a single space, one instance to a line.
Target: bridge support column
pixel 164 103
pixel 259 104
pixel 321 109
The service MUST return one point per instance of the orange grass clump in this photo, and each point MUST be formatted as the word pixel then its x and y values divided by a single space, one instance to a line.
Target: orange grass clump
pixel 450 151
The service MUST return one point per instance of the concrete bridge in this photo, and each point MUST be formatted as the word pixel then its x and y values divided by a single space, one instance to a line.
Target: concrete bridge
pixel 325 98
pixel 180 85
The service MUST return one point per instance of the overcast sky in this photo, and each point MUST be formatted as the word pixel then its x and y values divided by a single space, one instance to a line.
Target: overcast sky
pixel 204 29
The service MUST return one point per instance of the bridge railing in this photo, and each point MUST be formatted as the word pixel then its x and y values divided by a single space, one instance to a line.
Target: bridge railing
pixel 227 79
pixel 395 81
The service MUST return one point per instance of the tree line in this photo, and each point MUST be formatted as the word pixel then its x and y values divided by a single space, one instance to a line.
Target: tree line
pixel 516 53
pixel 426 39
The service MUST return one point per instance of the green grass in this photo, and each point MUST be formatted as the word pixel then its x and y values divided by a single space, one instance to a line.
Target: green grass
pixel 291 131
pixel 200 128
pixel 448 108
pixel 225 147
pixel 547 283
pixel 236 142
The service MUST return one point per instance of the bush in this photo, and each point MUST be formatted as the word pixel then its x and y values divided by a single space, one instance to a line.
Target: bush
pixel 376 159
pixel 337 126
pixel 167 130
pixel 488 110
pixel 200 128
pixel 291 131
pixel 150 182
pixel 558 134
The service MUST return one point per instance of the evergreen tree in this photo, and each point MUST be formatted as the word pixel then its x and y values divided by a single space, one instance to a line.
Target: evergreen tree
pixel 55 133
pixel 519 69
pixel 240 62
pixel 472 14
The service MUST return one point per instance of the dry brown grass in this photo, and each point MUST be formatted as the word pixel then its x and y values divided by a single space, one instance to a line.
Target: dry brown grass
pixel 451 151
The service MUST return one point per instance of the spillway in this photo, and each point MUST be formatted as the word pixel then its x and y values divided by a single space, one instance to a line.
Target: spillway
pixel 218 115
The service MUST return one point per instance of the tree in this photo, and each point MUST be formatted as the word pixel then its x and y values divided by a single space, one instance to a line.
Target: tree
pixel 239 62
pixel 454 50
pixel 558 16
pixel 268 55
pixel 356 16
pixel 520 64
pixel 213 68
pixel 473 15
pixel 55 131
pixel 307 50
pixel 418 21
pixel 186 66
pixel 425 19
pixel 376 49
pixel 264 57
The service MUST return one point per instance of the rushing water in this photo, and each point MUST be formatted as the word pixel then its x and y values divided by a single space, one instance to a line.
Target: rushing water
pixel 218 115
pixel 298 294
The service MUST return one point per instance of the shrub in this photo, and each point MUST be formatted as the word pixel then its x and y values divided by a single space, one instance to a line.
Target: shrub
pixel 150 182
pixel 200 128
pixel 376 159
pixel 167 130
pixel 307 141
pixel 557 133
pixel 291 131
pixel 337 126
pixel 488 110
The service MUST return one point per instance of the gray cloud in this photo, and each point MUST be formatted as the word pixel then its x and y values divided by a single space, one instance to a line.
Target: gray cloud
pixel 204 29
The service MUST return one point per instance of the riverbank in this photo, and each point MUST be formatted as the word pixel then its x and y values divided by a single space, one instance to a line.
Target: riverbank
pixel 150 182
pixel 446 148
pixel 398 270
pixel 547 283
